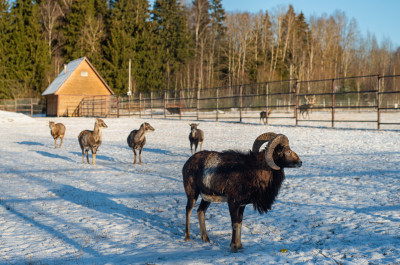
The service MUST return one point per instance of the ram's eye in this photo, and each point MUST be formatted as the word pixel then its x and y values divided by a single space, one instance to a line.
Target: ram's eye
pixel 289 152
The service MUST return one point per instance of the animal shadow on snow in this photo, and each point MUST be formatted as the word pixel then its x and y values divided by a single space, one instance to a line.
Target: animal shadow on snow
pixel 103 202
pixel 160 151
pixel 98 157
pixel 30 143
pixel 43 153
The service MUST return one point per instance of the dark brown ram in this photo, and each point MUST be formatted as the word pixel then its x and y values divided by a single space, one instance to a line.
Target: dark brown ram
pixel 237 178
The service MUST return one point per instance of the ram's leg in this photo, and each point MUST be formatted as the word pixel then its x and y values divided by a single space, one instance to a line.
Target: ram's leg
pixel 236 211
pixel 195 146
pixel 189 208
pixel 94 158
pixel 55 142
pixel 200 214
pixel 191 147
pixel 62 137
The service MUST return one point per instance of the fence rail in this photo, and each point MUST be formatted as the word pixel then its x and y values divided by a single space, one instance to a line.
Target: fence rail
pixel 29 106
pixel 364 99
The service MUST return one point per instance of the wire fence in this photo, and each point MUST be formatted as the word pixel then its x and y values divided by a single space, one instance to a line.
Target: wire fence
pixel 371 99
pixel 28 106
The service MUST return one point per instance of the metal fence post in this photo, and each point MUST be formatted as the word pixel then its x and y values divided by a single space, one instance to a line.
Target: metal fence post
pixel 266 102
pixel 379 104
pixel 31 107
pixel 297 102
pixel 240 102
pixel 140 104
pixel 333 103
pixel 198 103
pixel 165 104
pixel 118 107
pixel 180 104
pixel 151 104
pixel 216 117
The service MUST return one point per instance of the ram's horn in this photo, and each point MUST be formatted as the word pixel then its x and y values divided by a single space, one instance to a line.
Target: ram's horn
pixel 280 139
pixel 263 138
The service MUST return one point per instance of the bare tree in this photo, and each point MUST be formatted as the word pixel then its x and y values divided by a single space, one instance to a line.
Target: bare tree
pixel 50 13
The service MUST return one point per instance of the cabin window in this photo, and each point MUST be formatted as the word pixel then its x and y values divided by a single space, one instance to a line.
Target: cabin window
pixel 84 74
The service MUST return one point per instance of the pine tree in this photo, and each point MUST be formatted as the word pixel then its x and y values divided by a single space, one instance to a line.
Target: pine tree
pixel 29 60
pixel 4 48
pixel 173 38
pixel 218 30
pixel 84 30
pixel 130 38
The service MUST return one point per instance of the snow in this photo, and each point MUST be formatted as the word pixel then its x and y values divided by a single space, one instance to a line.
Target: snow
pixel 341 206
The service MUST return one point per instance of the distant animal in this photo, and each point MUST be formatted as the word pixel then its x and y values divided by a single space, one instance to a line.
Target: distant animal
pixel 306 108
pixel 137 140
pixel 237 178
pixel 57 131
pixel 264 116
pixel 91 140
pixel 196 137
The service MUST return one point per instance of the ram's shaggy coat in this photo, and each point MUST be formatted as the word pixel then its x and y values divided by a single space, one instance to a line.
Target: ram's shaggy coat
pixel 237 178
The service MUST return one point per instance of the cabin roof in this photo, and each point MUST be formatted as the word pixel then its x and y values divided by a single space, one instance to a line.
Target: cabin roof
pixel 64 75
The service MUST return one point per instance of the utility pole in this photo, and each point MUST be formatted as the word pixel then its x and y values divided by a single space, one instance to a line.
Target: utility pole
pixel 129 79
pixel 129 87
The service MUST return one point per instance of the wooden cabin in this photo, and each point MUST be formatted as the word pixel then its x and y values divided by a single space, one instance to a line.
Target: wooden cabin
pixel 78 80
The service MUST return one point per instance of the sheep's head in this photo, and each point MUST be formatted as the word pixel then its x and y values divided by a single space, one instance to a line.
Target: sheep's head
pixel 101 123
pixel 147 127
pixel 277 152
pixel 193 128
pixel 51 124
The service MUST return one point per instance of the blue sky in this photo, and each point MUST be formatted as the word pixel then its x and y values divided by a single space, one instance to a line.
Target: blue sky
pixel 382 18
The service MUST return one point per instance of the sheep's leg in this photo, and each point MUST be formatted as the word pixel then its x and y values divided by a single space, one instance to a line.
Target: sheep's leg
pixel 55 142
pixel 83 156
pixel 236 212
pixel 195 146
pixel 191 147
pixel 189 208
pixel 201 146
pixel 140 156
pixel 87 156
pixel 94 158
pixel 134 156
pixel 200 214
pixel 62 137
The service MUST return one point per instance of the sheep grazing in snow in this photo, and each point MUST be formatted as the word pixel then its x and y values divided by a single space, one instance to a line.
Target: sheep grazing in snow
pixel 136 140
pixel 196 137
pixel 57 131
pixel 237 178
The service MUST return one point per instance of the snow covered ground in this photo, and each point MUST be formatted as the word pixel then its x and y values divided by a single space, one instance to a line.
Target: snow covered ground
pixel 342 206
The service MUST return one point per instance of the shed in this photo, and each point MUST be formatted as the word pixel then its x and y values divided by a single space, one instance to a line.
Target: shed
pixel 79 79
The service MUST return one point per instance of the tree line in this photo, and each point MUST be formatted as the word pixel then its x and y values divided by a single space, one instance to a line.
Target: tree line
pixel 176 45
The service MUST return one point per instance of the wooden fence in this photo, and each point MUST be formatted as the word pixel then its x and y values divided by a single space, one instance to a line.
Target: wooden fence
pixel 371 99
pixel 29 106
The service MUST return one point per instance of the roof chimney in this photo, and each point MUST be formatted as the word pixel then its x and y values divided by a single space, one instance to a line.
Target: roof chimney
pixel 65 68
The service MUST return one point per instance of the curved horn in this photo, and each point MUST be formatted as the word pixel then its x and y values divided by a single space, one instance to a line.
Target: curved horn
pixel 278 140
pixel 260 140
